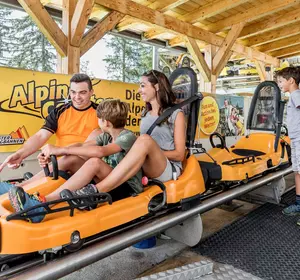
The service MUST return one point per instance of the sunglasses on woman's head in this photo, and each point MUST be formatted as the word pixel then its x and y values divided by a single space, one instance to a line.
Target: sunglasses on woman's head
pixel 155 76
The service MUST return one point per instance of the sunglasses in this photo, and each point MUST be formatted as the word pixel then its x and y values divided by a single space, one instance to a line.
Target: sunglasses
pixel 155 76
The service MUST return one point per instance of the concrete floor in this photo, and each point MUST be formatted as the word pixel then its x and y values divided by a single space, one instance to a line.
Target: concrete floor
pixel 132 263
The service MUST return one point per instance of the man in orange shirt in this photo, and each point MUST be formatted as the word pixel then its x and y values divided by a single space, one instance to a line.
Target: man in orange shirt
pixel 72 123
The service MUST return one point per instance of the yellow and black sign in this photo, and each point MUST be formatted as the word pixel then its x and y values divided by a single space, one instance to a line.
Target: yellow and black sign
pixel 27 96
pixel 209 115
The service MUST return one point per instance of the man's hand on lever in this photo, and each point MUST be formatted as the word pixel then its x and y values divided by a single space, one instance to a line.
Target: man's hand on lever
pixel 49 150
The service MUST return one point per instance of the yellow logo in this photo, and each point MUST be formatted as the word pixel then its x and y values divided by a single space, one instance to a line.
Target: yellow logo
pixel 17 137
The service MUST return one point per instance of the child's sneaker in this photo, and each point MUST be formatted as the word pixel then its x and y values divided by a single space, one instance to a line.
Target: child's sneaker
pixel 292 210
pixel 20 200
pixel 89 189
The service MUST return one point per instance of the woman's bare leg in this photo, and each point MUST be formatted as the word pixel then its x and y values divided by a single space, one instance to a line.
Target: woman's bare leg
pixel 94 168
pixel 146 154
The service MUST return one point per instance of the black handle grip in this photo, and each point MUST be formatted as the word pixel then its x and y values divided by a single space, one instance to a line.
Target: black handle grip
pixel 164 200
pixel 54 167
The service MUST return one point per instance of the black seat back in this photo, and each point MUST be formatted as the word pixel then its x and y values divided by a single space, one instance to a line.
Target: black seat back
pixel 264 109
pixel 184 84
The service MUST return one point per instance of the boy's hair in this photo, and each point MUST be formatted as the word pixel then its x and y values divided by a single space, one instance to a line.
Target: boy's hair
pixel 114 111
pixel 79 78
pixel 289 72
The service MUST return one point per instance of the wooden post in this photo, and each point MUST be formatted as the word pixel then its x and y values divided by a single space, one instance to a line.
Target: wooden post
pixel 71 63
pixel 260 67
pixel 199 60
pixel 209 54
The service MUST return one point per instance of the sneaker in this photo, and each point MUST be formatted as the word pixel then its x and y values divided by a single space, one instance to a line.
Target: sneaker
pixel 89 189
pixel 292 210
pixel 298 223
pixel 20 200
pixel 64 194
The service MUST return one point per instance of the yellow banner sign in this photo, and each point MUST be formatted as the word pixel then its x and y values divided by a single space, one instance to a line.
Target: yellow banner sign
pixel 209 115
pixel 27 97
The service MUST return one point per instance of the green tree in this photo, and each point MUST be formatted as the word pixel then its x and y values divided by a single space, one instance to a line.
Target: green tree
pixel 129 59
pixel 32 50
pixel 5 29
pixel 85 68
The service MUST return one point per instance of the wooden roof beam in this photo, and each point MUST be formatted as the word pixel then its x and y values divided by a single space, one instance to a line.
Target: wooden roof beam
pixel 155 17
pixel 261 70
pixel 279 44
pixel 98 12
pixel 181 40
pixel 251 14
pixel 143 2
pixel 272 23
pixel 291 55
pixel 272 35
pixel 128 22
pixel 177 41
pixel 211 9
pixel 198 58
pixel 287 51
pixel 79 21
pixel 224 52
pixel 99 30
pixel 46 24
pixel 154 32
pixel 166 5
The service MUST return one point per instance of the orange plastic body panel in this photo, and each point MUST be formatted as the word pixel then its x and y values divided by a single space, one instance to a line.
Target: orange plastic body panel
pixel 22 237
pixel 256 141
pixel 190 183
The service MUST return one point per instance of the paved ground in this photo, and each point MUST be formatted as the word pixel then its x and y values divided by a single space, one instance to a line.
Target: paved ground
pixel 131 262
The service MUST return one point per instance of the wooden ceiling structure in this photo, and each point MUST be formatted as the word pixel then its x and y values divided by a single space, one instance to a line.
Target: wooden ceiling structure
pixel 212 31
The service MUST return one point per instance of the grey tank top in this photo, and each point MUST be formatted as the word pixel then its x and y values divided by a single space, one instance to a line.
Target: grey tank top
pixel 162 134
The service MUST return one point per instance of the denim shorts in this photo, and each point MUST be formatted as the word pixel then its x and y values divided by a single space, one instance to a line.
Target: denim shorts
pixel 5 187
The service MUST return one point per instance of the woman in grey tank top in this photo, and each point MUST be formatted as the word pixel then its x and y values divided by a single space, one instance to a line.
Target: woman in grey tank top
pixel 160 155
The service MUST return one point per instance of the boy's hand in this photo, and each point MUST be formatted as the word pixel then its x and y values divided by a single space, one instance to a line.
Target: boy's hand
pixel 49 150
pixel 43 161
pixel 13 161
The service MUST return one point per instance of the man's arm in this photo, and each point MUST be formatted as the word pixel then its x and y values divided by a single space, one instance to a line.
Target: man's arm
pixel 31 146
pixel 85 150
pixel 94 151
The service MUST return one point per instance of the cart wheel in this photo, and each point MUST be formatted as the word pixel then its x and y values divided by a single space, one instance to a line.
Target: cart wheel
pixel 71 248
pixel 76 242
